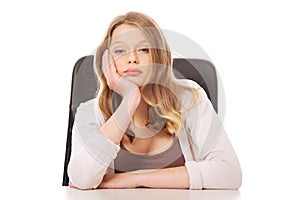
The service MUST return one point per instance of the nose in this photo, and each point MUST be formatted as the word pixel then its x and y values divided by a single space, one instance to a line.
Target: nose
pixel 132 58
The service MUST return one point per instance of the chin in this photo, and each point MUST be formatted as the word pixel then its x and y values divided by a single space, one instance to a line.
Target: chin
pixel 139 81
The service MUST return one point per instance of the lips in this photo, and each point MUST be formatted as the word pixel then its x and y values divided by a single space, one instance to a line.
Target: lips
pixel 133 72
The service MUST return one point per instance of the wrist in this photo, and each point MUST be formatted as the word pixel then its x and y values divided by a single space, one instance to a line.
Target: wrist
pixel 141 179
pixel 125 87
pixel 134 100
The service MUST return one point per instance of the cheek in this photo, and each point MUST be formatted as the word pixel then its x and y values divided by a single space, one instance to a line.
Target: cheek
pixel 119 63
pixel 145 58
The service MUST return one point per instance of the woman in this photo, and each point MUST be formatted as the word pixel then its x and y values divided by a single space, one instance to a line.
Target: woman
pixel 146 128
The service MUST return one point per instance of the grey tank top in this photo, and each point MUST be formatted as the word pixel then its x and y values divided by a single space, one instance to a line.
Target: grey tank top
pixel 171 157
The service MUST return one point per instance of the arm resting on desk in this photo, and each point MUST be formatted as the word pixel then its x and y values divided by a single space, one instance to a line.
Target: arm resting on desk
pixel 219 170
pixel 92 152
pixel 175 178
pixel 213 163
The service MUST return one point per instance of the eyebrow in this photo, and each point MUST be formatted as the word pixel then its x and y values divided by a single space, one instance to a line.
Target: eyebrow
pixel 123 42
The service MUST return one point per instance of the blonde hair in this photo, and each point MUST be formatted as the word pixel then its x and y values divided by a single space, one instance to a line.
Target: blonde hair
pixel 159 96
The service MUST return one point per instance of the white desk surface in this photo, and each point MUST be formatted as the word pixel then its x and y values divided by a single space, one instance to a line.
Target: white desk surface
pixel 150 194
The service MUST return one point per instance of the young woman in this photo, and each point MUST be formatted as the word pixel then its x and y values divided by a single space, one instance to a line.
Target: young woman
pixel 146 128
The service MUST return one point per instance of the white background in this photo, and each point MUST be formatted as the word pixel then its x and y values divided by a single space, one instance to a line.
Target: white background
pixel 255 46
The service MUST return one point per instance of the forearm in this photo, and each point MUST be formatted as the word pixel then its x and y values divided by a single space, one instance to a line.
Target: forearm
pixel 84 171
pixel 176 177
pixel 117 124
pixel 111 131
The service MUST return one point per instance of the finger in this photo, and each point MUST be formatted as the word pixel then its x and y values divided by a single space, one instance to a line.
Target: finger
pixel 110 66
pixel 113 69
pixel 104 184
pixel 105 62
pixel 108 69
pixel 112 74
pixel 72 186
pixel 109 74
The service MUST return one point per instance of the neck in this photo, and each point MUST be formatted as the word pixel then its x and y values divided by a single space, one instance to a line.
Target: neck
pixel 141 115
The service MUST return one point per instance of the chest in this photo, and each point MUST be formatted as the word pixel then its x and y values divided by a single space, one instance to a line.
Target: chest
pixel 170 156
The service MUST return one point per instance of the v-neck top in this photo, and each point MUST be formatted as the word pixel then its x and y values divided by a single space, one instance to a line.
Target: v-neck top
pixel 210 159
pixel 170 156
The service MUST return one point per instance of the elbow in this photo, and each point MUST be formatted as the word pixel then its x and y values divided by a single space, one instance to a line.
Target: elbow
pixel 239 178
pixel 230 180
pixel 234 177
pixel 225 177
pixel 83 184
pixel 236 182
pixel 82 180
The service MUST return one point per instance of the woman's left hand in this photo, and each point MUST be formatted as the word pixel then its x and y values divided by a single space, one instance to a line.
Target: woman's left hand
pixel 121 180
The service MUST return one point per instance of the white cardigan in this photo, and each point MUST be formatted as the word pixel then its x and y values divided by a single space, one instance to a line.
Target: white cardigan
pixel 209 156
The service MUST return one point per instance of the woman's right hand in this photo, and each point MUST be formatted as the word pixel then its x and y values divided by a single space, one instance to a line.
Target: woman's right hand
pixel 115 82
pixel 121 118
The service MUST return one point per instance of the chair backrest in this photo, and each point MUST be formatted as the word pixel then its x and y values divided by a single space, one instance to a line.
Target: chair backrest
pixel 84 86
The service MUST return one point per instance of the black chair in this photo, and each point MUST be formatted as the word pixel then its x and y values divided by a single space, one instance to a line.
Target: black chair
pixel 84 87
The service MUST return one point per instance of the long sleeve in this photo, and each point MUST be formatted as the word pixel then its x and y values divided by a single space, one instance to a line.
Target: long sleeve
pixel 92 152
pixel 214 164
pixel 220 169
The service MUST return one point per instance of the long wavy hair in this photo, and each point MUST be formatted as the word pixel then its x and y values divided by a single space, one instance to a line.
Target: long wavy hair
pixel 158 93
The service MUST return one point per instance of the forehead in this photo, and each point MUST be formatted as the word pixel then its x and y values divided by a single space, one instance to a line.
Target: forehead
pixel 127 33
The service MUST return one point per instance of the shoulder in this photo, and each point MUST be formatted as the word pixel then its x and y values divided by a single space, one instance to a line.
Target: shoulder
pixel 89 111
pixel 188 82
pixel 192 84
pixel 191 92
pixel 86 106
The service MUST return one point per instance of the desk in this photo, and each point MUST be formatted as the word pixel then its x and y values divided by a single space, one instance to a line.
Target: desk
pixel 150 194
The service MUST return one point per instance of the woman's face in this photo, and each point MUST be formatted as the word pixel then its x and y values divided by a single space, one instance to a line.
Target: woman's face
pixel 130 52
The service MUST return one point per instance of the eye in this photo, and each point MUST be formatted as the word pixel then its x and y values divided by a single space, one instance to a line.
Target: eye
pixel 119 51
pixel 143 50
